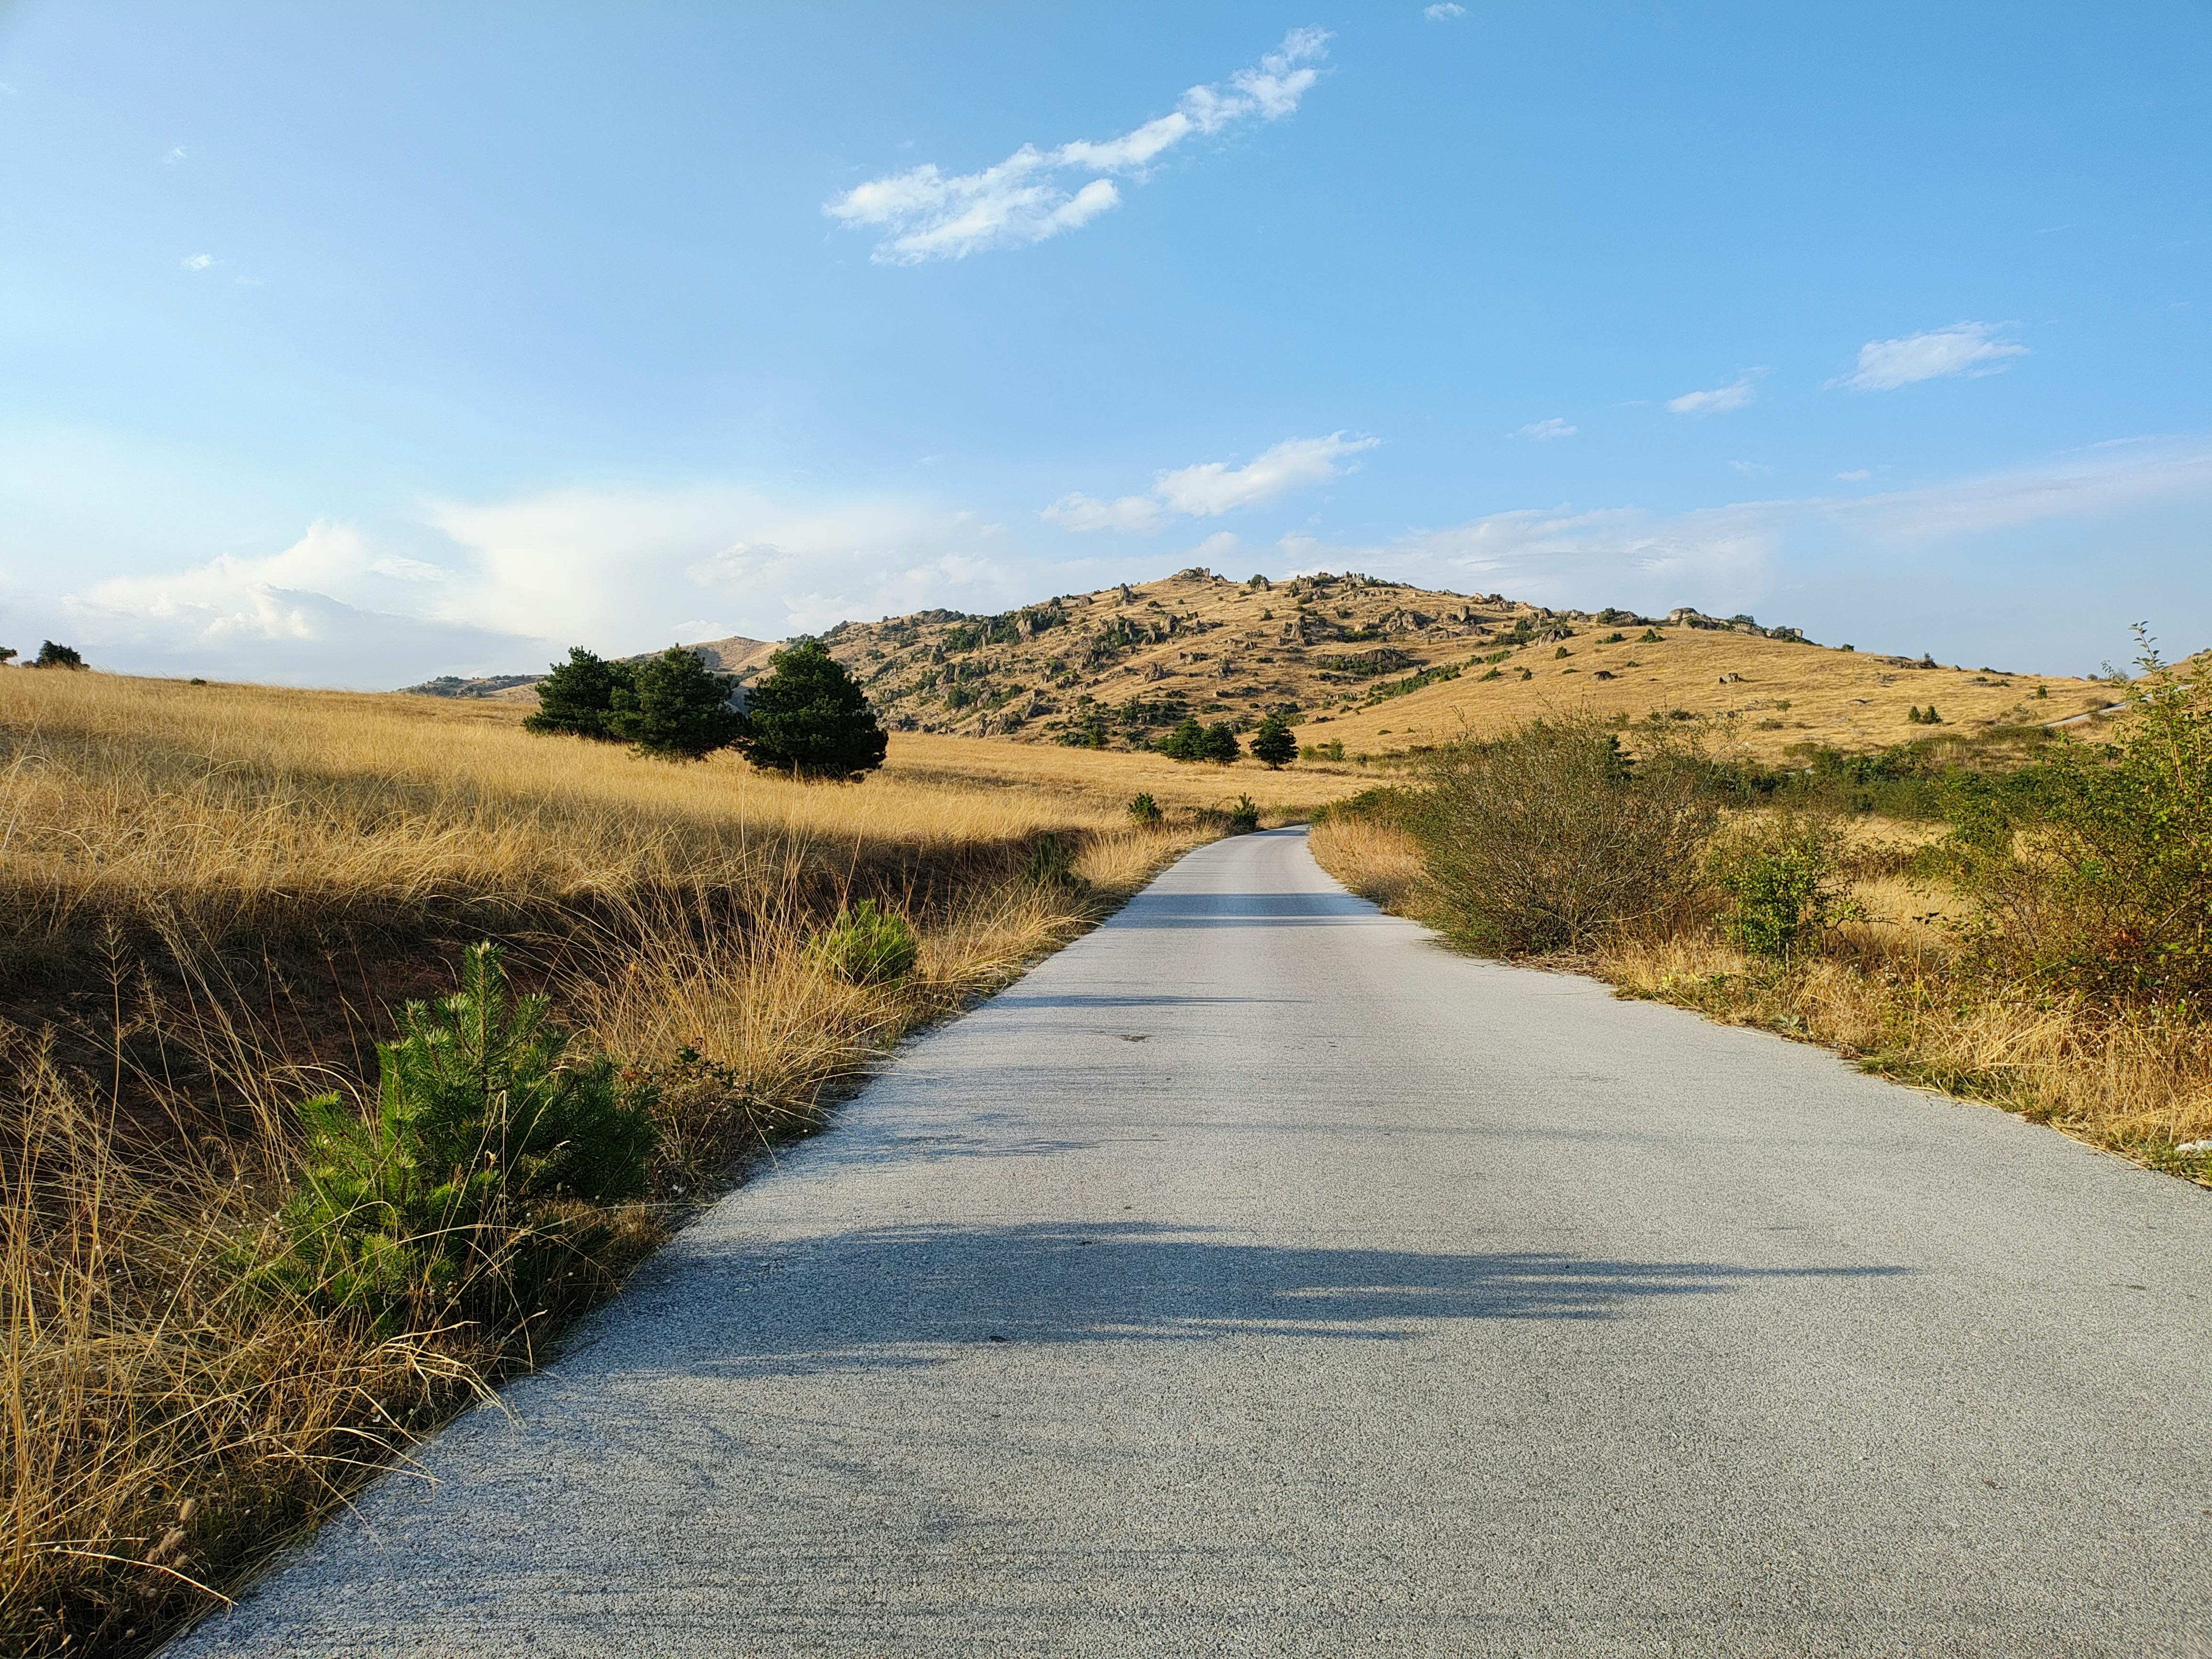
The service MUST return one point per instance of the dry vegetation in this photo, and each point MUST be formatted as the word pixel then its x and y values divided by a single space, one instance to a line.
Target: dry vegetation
pixel 1913 969
pixel 1384 667
pixel 214 896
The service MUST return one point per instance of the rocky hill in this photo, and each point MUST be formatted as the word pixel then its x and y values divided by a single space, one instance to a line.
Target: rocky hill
pixel 1366 666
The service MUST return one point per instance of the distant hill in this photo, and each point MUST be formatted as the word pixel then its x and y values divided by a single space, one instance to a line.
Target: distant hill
pixel 735 655
pixel 1375 666
pixel 1379 665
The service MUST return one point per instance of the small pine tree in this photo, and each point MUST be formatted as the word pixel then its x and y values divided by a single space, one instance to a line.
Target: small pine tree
pixel 809 717
pixel 1221 745
pixel 1273 744
pixel 578 696
pixel 675 708
pixel 458 1191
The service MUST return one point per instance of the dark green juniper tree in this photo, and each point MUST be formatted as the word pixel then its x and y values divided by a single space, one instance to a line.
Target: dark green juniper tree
pixel 578 697
pixel 672 705
pixel 676 708
pixel 810 717
pixel 1273 744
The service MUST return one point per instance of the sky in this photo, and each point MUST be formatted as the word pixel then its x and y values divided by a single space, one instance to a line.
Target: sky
pixel 350 345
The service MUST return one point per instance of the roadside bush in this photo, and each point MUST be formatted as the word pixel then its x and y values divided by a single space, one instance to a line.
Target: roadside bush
pixel 867 946
pixel 1145 811
pixel 2091 869
pixel 1550 839
pixel 1244 817
pixel 1782 885
pixel 471 1188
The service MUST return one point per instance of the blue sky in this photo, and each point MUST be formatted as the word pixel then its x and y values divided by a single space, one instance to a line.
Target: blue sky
pixel 352 345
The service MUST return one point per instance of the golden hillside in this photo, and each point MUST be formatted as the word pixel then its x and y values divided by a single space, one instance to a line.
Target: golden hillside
pixel 1379 665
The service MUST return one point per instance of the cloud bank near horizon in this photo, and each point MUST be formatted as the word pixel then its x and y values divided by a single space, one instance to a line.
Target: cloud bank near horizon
pixel 504 586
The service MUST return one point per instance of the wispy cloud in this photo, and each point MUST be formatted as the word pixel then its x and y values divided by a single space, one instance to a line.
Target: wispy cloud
pixel 1721 400
pixel 1856 475
pixel 1540 431
pixel 199 261
pixel 1443 11
pixel 176 153
pixel 1961 348
pixel 1029 198
pixel 1214 488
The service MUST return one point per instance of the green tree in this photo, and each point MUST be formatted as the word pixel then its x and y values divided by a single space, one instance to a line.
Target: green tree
pixel 810 717
pixel 1185 743
pixel 460 1190
pixel 675 708
pixel 57 656
pixel 1273 744
pixel 1221 745
pixel 578 697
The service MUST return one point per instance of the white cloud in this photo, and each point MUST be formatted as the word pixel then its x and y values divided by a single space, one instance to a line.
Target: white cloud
pixel 1857 475
pixel 926 214
pixel 1961 348
pixel 200 261
pixel 1752 469
pixel 1443 11
pixel 176 153
pixel 1720 399
pixel 1540 431
pixel 1214 488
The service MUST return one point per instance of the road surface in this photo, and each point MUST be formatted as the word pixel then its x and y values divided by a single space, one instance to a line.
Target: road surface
pixel 1256 1277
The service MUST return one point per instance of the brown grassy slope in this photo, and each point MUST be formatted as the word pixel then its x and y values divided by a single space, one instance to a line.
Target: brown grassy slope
pixel 1324 646
pixel 1771 694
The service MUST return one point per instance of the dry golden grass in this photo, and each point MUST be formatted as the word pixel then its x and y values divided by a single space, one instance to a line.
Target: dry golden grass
pixel 1785 695
pixel 212 892
pixel 1114 776
pixel 1887 991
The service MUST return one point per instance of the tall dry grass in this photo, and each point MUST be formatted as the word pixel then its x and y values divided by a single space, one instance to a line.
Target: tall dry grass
pixel 211 895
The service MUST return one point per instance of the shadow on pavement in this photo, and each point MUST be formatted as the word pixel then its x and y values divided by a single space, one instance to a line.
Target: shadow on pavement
pixel 897 1296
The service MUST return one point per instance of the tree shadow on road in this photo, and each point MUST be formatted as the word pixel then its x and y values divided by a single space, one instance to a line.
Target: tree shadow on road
pixel 898 1296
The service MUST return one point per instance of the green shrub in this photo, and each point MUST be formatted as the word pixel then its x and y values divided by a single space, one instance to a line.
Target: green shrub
pixel 1052 864
pixel 1781 884
pixel 1549 838
pixel 1145 812
pixel 2091 869
pixel 469 1190
pixel 1244 817
pixel 866 945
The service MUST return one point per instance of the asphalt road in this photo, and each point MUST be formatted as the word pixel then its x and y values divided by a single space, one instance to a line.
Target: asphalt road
pixel 1255 1277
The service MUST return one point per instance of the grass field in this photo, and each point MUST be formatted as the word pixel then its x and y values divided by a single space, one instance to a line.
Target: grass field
pixel 213 896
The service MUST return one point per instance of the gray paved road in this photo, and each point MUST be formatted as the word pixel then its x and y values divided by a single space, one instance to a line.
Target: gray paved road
pixel 1255 1277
